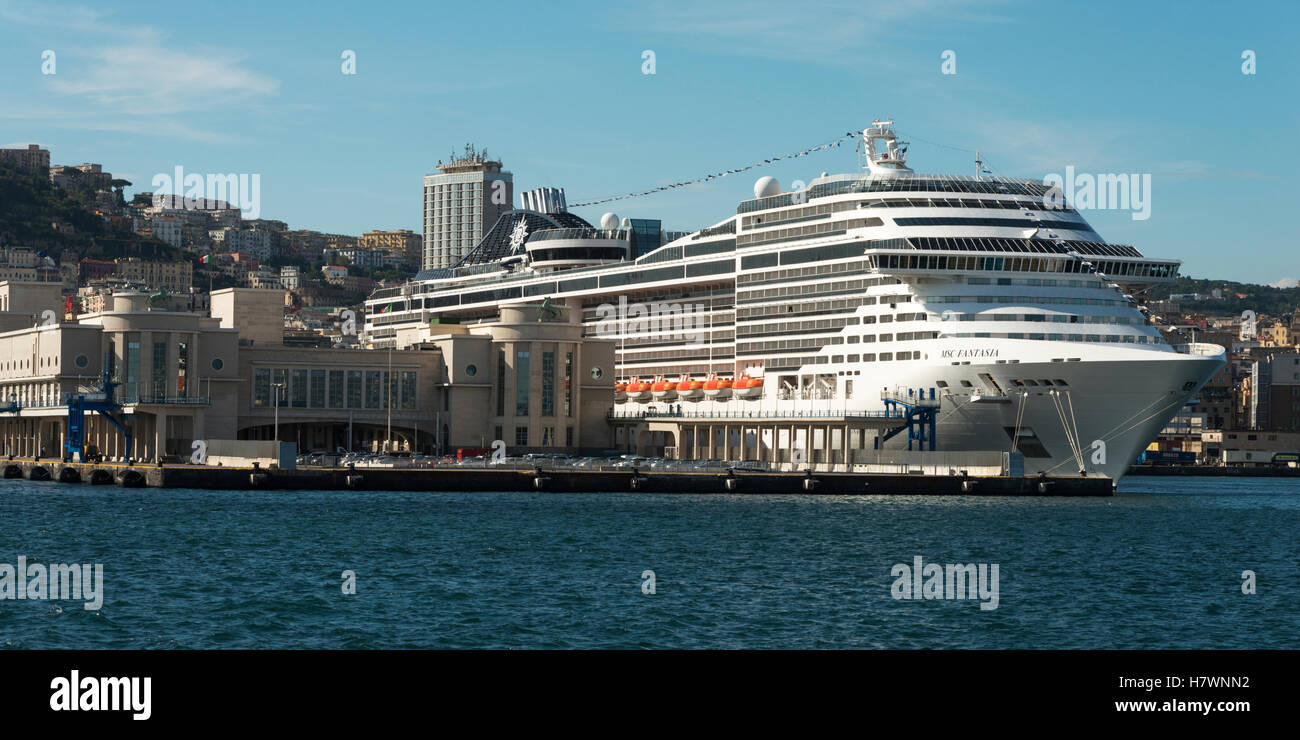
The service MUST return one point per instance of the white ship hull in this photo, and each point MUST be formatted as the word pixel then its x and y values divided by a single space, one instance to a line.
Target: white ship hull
pixel 1121 397
pixel 989 290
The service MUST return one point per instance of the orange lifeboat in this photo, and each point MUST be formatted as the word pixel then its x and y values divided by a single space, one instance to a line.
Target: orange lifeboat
pixel 689 389
pixel 663 389
pixel 620 392
pixel 717 388
pixel 747 387
pixel 638 390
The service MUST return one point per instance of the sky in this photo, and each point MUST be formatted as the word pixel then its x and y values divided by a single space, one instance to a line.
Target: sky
pixel 559 92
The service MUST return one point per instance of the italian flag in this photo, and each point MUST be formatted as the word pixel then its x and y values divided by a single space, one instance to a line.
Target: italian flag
pixel 386 309
pixel 204 259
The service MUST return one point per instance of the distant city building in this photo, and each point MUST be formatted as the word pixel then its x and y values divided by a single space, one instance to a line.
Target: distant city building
pixel 88 269
pixel 174 277
pixel 263 278
pixel 252 241
pixel 402 243
pixel 1282 394
pixel 1278 335
pixel 32 159
pixel 168 229
pixel 266 224
pixel 94 174
pixel 461 202
pixel 290 277
pixel 369 259
pixel 19 264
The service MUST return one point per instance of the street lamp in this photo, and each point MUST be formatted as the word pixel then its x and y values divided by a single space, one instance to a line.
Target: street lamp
pixel 388 435
pixel 277 387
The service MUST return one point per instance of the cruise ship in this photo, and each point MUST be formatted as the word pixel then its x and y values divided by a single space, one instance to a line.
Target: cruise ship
pixel 987 297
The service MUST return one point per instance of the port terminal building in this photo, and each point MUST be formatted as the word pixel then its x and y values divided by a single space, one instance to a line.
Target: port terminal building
pixel 528 378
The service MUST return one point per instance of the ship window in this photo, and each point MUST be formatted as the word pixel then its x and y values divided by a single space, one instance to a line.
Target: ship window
pixel 1061 382
pixel 966 384
pixel 941 383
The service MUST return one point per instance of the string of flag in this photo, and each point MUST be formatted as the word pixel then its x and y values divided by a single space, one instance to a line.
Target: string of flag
pixel 724 173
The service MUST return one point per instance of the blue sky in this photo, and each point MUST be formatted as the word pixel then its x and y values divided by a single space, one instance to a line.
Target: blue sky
pixel 556 90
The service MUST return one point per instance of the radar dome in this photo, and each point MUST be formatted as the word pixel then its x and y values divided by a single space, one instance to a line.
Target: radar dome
pixel 766 186
pixel 609 221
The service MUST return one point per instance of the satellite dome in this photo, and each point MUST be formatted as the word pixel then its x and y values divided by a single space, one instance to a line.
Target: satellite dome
pixel 609 221
pixel 765 186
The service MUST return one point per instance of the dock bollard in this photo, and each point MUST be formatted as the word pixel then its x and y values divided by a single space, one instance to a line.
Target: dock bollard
pixel 809 482
pixel 636 480
pixel 539 481
pixel 1044 485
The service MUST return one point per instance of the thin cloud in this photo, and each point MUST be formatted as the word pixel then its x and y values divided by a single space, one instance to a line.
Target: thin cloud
pixel 830 33
pixel 123 77
pixel 150 79
pixel 75 18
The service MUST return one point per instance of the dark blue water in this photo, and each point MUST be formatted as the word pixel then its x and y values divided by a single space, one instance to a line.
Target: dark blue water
pixel 1157 566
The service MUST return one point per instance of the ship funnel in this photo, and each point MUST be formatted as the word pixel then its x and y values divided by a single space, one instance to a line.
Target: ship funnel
pixel 886 155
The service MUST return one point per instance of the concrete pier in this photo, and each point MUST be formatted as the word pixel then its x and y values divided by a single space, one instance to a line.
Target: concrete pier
pixel 556 481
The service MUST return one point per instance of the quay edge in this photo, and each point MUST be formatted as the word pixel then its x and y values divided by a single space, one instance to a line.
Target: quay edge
pixel 547 480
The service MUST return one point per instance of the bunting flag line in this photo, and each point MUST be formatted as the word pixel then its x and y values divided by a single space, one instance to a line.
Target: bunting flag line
pixel 724 173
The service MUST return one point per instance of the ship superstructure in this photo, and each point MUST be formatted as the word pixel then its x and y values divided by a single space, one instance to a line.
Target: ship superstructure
pixel 989 290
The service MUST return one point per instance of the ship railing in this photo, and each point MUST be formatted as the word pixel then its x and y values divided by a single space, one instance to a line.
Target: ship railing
pixel 910 398
pixel 579 233
pixel 898 462
pixel 166 400
pixel 1203 349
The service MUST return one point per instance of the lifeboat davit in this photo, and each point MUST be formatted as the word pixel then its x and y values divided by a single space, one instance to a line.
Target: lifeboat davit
pixel 620 392
pixel 638 390
pixel 747 387
pixel 689 389
pixel 717 388
pixel 663 389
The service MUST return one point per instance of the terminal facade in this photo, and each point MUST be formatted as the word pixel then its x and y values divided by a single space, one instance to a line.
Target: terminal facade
pixel 529 378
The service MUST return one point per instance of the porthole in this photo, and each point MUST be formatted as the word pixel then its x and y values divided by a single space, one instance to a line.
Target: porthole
pixel 81 361
pixel 217 363
pixel 471 370
pixel 596 373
